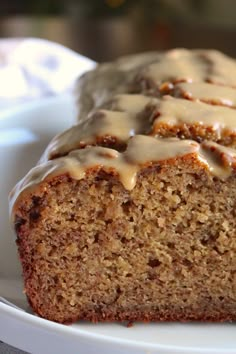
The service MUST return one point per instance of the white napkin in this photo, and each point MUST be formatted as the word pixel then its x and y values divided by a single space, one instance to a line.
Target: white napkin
pixel 33 68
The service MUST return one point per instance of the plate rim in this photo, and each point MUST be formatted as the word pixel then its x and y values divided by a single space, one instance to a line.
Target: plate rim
pixel 42 323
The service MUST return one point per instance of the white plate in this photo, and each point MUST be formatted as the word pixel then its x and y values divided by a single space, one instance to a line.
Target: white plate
pixel 24 133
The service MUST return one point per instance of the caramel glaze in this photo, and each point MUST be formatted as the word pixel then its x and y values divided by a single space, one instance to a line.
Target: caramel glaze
pixel 182 65
pixel 139 114
pixel 201 84
pixel 184 74
pixel 153 74
pixel 173 111
pixel 130 115
pixel 141 152
pixel 209 93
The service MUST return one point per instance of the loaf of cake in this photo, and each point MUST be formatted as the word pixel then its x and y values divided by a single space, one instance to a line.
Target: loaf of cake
pixel 130 214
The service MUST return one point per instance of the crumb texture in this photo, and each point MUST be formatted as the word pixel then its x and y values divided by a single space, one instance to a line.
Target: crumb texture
pixel 92 250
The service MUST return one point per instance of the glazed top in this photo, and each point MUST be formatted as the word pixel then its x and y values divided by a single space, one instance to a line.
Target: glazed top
pixel 131 114
pixel 127 101
pixel 179 87
pixel 148 72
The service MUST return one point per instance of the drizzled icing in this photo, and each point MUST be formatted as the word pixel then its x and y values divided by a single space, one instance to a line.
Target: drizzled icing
pixel 141 72
pixel 139 114
pixel 134 104
pixel 127 103
pixel 176 111
pixel 98 86
pixel 208 93
pixel 120 125
pixel 141 152
pixel 191 66
pixel 220 159
pixel 180 65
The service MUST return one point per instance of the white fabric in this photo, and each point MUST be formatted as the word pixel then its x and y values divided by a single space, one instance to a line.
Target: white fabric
pixel 33 68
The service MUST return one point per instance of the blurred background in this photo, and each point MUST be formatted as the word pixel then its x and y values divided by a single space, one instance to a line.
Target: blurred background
pixel 105 29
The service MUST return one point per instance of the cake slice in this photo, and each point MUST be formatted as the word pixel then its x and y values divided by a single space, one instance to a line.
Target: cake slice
pixel 140 235
pixel 124 218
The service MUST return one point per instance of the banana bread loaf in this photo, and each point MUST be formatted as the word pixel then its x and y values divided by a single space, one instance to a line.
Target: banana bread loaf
pixel 130 214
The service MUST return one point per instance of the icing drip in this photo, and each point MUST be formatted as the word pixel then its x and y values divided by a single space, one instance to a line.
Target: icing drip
pixel 138 114
pixel 141 152
pixel 182 65
pixel 131 116
pixel 208 93
pixel 175 111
